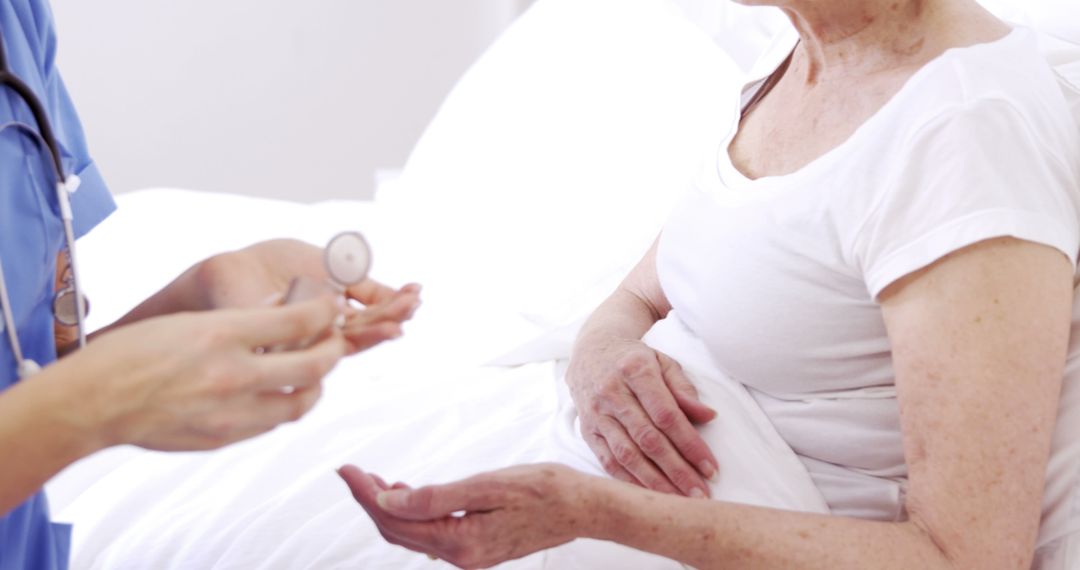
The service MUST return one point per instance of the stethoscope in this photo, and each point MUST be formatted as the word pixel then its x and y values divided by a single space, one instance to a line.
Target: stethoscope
pixel 347 257
pixel 69 304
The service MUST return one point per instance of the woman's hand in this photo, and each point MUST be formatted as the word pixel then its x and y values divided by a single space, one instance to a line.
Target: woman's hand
pixel 637 411
pixel 483 520
pixel 259 275
pixel 195 381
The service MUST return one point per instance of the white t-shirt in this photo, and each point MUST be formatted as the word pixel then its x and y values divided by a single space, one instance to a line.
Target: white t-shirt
pixel 779 276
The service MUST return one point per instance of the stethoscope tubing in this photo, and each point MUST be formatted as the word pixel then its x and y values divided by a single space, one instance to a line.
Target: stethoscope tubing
pixel 9 319
pixel 68 219
pixel 64 186
pixel 12 81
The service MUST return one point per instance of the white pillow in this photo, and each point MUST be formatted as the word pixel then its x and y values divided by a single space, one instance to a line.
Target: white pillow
pixel 554 162
pixel 1060 18
pixel 744 32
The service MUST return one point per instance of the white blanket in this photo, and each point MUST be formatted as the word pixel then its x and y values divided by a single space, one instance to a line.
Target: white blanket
pixel 275 502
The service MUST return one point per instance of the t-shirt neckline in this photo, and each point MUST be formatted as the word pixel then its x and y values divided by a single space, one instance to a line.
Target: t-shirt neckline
pixel 733 178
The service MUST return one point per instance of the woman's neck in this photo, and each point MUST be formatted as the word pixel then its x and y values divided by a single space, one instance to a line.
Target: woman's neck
pixel 861 37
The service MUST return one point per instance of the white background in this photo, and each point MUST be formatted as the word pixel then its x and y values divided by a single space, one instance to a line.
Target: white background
pixel 275 98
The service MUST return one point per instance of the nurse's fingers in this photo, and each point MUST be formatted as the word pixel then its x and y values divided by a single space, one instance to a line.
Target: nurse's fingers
pixel 371 292
pixel 399 308
pixel 276 409
pixel 289 324
pixel 299 368
pixel 261 413
pixel 363 337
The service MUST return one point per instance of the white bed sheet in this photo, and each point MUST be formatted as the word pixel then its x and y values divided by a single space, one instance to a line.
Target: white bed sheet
pixel 423 409
pixel 275 502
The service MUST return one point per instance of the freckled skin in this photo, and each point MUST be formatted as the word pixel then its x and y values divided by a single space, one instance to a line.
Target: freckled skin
pixel 910 50
pixel 840 76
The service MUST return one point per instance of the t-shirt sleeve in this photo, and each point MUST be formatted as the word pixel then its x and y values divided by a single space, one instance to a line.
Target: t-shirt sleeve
pixel 975 172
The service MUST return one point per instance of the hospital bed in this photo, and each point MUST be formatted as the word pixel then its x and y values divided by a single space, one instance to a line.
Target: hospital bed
pixel 545 175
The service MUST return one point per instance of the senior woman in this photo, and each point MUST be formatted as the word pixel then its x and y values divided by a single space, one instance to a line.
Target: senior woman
pixel 894 208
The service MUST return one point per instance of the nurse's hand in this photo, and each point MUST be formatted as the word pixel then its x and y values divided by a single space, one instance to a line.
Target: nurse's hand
pixel 637 410
pixel 262 272
pixel 195 381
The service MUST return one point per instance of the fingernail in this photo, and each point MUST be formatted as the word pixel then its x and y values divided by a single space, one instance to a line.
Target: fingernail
pixel 341 302
pixel 696 493
pixel 339 321
pixel 393 499
pixel 708 471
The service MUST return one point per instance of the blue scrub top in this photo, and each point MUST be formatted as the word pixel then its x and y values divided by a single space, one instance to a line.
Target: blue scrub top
pixel 31 236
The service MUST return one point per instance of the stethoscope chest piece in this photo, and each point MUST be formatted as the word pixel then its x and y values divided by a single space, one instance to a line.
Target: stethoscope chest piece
pixel 347 258
pixel 64 309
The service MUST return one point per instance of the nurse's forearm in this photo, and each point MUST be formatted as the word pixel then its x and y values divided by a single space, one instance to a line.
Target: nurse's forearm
pixel 183 294
pixel 713 534
pixel 44 427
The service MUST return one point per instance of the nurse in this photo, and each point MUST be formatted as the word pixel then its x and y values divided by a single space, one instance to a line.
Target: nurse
pixel 184 370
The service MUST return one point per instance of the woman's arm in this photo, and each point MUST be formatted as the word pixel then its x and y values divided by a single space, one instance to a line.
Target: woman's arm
pixel 979 342
pixel 631 310
pixel 637 408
